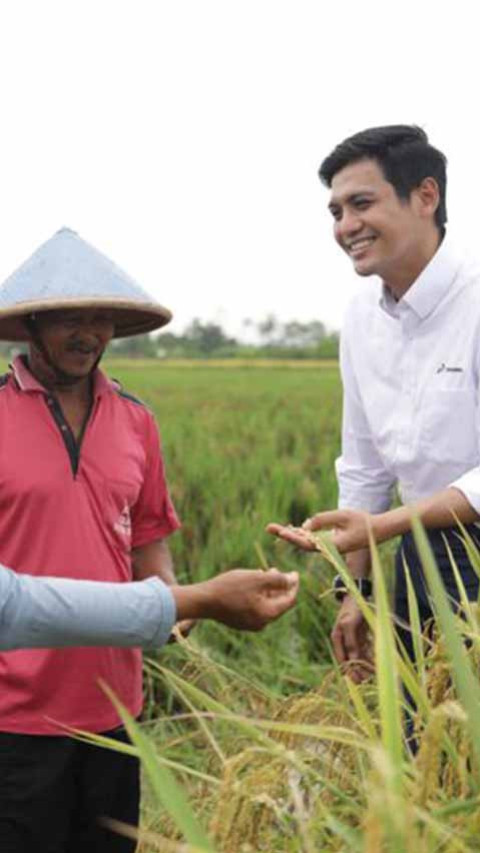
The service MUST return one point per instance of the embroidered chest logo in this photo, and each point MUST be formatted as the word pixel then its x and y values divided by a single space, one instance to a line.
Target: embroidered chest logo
pixel 445 368
pixel 123 524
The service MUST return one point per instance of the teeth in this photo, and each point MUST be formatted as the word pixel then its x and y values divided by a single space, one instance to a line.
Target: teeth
pixel 361 244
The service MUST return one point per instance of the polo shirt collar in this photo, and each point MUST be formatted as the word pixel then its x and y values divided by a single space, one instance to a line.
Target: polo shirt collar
pixel 431 286
pixel 26 381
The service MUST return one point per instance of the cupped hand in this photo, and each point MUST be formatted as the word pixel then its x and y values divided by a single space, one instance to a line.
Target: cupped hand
pixel 249 599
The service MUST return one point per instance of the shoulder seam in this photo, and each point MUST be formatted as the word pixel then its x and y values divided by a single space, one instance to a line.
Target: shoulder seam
pixel 130 397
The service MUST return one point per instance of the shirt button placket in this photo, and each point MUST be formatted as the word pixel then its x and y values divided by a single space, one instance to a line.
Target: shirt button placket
pixel 405 425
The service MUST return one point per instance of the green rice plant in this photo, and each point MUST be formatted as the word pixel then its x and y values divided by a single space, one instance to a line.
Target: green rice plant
pixel 386 810
pixel 166 789
pixel 416 629
pixel 451 625
pixel 310 778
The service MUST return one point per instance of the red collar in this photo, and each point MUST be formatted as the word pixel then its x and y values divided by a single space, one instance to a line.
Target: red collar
pixel 26 381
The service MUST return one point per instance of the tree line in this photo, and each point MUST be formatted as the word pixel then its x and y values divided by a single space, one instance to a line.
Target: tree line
pixel 273 339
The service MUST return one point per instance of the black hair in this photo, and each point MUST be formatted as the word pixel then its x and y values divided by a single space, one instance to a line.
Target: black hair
pixel 404 154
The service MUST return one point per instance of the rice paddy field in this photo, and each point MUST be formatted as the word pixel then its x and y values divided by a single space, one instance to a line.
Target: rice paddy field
pixel 255 742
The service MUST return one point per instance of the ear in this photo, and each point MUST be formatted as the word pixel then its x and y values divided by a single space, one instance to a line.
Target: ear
pixel 427 198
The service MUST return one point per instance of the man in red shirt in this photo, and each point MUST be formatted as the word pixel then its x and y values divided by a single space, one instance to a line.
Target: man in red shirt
pixel 83 491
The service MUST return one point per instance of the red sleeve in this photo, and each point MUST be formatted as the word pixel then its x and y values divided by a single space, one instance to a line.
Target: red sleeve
pixel 153 515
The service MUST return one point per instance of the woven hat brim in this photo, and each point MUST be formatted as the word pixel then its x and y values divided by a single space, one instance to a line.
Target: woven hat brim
pixel 128 318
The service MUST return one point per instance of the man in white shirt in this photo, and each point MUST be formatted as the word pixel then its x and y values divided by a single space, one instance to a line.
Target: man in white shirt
pixel 410 360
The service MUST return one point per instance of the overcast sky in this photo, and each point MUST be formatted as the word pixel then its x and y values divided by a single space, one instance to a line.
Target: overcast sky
pixel 183 137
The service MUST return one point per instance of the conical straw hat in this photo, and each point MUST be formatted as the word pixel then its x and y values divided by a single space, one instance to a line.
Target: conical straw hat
pixel 66 272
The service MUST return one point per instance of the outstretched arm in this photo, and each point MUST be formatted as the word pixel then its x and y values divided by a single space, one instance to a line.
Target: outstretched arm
pixel 55 612
pixel 43 612
pixel 349 527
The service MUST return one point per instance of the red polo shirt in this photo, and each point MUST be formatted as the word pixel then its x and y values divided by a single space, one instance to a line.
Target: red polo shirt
pixel 75 513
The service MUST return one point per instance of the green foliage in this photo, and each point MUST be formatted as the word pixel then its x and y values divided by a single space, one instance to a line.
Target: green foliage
pixel 327 770
pixel 244 447
pixel 202 340
pixel 139 346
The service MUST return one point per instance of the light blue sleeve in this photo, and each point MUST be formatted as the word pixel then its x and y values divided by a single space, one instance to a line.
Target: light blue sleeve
pixel 55 612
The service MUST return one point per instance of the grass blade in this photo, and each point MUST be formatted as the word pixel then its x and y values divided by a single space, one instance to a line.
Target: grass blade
pixel 387 673
pixel 169 793
pixel 466 682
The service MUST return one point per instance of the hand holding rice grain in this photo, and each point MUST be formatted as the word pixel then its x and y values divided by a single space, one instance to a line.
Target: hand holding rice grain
pixel 346 529
pixel 302 537
pixel 319 538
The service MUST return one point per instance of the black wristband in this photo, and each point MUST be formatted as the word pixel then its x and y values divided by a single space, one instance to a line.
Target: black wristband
pixel 364 586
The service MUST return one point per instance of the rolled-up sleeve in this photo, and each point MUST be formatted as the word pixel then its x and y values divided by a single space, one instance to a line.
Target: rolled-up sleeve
pixel 58 612
pixel 469 483
pixel 363 481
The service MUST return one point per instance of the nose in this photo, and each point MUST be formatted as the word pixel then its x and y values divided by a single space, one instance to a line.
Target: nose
pixel 88 337
pixel 93 328
pixel 88 334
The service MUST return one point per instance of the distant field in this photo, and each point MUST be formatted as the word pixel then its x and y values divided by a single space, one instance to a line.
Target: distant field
pixel 242 447
pixel 231 363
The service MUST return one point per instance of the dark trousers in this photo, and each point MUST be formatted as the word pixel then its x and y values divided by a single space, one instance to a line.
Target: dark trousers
pixel 407 553
pixel 54 792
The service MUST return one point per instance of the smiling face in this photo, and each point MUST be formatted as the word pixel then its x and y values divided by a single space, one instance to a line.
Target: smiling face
pixel 74 340
pixel 383 234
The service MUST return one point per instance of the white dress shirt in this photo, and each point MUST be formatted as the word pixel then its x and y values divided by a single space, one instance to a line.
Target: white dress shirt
pixel 410 371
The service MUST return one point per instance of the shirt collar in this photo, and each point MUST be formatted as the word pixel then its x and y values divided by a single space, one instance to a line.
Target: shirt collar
pixel 428 290
pixel 26 381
